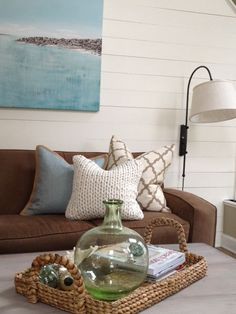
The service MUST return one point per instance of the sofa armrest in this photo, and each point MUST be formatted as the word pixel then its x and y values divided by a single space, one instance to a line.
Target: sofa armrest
pixel 198 212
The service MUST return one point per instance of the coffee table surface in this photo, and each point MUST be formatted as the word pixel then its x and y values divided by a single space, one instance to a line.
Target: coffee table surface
pixel 216 293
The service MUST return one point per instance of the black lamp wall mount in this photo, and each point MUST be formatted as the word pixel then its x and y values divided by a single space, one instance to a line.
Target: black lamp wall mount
pixel 184 127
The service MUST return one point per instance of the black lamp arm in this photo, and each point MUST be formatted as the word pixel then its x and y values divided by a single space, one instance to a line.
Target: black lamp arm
pixel 184 127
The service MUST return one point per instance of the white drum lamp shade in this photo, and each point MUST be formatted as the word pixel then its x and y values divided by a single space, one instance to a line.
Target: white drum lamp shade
pixel 213 101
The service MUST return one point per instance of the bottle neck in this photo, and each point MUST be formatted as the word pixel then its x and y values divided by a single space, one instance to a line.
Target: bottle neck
pixel 112 219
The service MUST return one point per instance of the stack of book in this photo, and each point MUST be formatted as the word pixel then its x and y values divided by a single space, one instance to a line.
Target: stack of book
pixel 163 262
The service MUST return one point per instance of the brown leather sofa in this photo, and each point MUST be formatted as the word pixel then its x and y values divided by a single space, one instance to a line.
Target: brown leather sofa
pixel 55 232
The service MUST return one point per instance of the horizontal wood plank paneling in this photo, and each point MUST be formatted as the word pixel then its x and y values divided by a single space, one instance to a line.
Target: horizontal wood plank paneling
pixel 168 51
pixel 63 132
pixel 118 115
pixel 214 195
pixel 214 133
pixel 205 164
pixel 141 99
pixel 201 179
pixel 218 7
pixel 129 11
pixel 148 83
pixel 160 67
pixel 157 33
pixel 211 149
pixel 142 82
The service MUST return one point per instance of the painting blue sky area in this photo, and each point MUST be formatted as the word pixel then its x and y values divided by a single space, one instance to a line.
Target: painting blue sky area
pixel 70 18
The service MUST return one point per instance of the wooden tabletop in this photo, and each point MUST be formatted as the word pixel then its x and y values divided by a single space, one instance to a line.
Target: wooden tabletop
pixel 216 293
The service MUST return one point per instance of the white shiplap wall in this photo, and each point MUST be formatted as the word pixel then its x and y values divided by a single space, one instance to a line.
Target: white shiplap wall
pixel 150 48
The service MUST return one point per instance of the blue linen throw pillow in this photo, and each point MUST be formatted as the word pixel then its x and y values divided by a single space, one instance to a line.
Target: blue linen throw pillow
pixel 53 183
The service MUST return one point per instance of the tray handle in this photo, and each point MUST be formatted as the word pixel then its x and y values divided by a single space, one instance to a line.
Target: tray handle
pixel 162 221
pixel 49 258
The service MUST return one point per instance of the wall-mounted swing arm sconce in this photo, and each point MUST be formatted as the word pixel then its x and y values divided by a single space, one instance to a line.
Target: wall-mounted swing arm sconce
pixel 212 101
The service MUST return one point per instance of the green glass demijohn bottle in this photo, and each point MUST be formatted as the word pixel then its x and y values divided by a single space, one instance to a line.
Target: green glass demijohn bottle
pixel 113 259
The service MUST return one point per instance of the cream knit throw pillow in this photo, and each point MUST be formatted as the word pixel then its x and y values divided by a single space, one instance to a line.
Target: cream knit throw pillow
pixel 92 185
pixel 150 194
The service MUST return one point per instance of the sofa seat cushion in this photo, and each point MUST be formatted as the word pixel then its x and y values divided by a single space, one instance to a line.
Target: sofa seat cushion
pixel 39 233
pixel 161 235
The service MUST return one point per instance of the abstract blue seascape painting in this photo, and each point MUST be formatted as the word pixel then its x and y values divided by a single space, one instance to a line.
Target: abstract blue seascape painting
pixel 50 54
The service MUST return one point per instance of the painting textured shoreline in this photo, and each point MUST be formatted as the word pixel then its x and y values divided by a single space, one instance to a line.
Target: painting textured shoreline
pixel 90 45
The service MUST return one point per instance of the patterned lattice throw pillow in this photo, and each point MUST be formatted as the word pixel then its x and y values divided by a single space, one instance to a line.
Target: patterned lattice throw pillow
pixel 156 162
pixel 92 185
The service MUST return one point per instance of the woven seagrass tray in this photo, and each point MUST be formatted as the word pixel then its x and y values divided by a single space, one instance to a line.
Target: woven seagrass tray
pixel 78 301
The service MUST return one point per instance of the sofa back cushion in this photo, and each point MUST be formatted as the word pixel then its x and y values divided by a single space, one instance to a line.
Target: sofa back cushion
pixel 17 171
pixel 92 185
pixel 52 183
